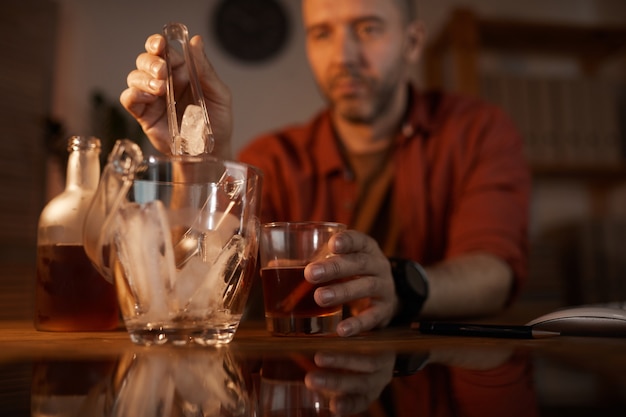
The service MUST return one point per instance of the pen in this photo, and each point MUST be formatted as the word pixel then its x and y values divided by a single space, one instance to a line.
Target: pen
pixel 484 330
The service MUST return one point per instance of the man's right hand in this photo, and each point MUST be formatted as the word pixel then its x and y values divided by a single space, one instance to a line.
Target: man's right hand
pixel 145 97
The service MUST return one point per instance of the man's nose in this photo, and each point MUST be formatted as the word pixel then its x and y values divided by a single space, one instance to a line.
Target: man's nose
pixel 346 48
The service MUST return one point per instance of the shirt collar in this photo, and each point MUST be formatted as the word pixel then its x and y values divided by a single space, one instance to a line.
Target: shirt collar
pixel 416 121
pixel 325 142
pixel 325 145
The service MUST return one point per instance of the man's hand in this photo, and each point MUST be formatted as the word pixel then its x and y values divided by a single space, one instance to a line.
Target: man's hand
pixel 145 98
pixel 358 275
pixel 353 391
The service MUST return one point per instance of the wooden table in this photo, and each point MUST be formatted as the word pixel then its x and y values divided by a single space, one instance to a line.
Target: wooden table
pixel 391 372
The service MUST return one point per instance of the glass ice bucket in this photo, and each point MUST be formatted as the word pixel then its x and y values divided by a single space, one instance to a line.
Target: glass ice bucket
pixel 178 236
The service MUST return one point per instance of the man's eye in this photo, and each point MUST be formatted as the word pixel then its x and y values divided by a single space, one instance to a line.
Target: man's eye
pixel 318 34
pixel 369 30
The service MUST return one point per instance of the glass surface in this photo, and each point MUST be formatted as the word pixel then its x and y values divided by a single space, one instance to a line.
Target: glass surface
pixel 368 376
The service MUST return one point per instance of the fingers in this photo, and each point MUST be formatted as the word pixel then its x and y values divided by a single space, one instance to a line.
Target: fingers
pixel 352 289
pixel 347 393
pixel 148 110
pixel 134 101
pixel 360 255
pixel 155 44
pixel 375 316
pixel 351 392
pixel 365 363
pixel 152 65
pixel 351 241
pixel 145 82
pixel 151 71
pixel 360 275
pixel 143 98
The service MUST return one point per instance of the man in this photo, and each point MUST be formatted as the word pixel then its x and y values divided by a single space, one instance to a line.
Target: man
pixel 426 178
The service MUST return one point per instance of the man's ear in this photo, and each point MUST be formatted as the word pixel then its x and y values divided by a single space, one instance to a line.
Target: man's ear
pixel 415 40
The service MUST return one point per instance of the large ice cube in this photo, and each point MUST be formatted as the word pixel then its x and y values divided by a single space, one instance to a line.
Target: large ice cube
pixel 149 389
pixel 193 130
pixel 188 280
pixel 193 383
pixel 145 252
pixel 208 298
pixel 202 380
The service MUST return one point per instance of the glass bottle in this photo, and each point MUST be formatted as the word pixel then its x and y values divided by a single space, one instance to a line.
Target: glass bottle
pixel 70 295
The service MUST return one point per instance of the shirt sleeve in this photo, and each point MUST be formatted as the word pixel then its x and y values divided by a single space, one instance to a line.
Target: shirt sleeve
pixel 491 196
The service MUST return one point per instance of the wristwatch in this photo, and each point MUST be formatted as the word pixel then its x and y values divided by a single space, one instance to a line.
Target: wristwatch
pixel 411 288
pixel 407 364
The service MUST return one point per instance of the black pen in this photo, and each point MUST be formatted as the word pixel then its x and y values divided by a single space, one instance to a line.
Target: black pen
pixel 484 330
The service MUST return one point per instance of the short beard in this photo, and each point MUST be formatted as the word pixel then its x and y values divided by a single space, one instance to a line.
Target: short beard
pixel 380 104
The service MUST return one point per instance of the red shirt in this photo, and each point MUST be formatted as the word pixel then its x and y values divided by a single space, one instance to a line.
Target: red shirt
pixel 439 390
pixel 461 182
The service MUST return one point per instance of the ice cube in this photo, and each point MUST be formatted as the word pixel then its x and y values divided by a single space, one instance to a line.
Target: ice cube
pixel 193 130
pixel 211 244
pixel 188 280
pixel 225 223
pixel 215 230
pixel 202 380
pixel 148 389
pixel 209 296
pixel 147 256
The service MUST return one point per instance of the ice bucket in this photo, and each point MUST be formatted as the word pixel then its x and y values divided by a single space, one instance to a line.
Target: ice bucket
pixel 178 236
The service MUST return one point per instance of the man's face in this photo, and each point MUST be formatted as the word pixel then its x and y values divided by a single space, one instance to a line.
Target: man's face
pixel 357 52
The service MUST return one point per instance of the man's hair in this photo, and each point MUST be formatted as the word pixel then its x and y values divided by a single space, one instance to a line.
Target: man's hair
pixel 409 9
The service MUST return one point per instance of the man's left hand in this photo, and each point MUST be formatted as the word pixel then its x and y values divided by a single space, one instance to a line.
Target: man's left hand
pixel 358 275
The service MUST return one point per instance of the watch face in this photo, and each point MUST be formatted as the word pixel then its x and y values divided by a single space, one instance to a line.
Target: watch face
pixel 416 278
pixel 251 30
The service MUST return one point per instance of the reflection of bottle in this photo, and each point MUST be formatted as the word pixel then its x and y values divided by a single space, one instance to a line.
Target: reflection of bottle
pixel 70 295
pixel 71 388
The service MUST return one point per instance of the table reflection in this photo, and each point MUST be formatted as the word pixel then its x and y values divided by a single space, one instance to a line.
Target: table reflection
pixel 186 382
pixel 231 382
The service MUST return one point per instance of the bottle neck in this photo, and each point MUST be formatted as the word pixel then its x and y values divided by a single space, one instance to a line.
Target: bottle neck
pixel 83 165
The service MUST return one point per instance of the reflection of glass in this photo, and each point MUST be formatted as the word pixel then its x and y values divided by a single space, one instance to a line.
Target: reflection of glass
pixel 284 392
pixel 200 382
pixel 70 388
pixel 179 383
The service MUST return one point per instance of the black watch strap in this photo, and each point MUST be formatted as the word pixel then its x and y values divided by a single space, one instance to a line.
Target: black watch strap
pixel 411 288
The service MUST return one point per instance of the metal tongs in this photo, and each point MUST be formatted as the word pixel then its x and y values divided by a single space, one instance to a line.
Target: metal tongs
pixel 190 127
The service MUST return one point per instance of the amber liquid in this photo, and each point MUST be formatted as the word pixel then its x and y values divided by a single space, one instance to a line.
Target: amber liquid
pixel 286 293
pixel 70 295
pixel 53 377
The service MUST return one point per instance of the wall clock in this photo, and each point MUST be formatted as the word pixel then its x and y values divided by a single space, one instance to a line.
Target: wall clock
pixel 251 30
